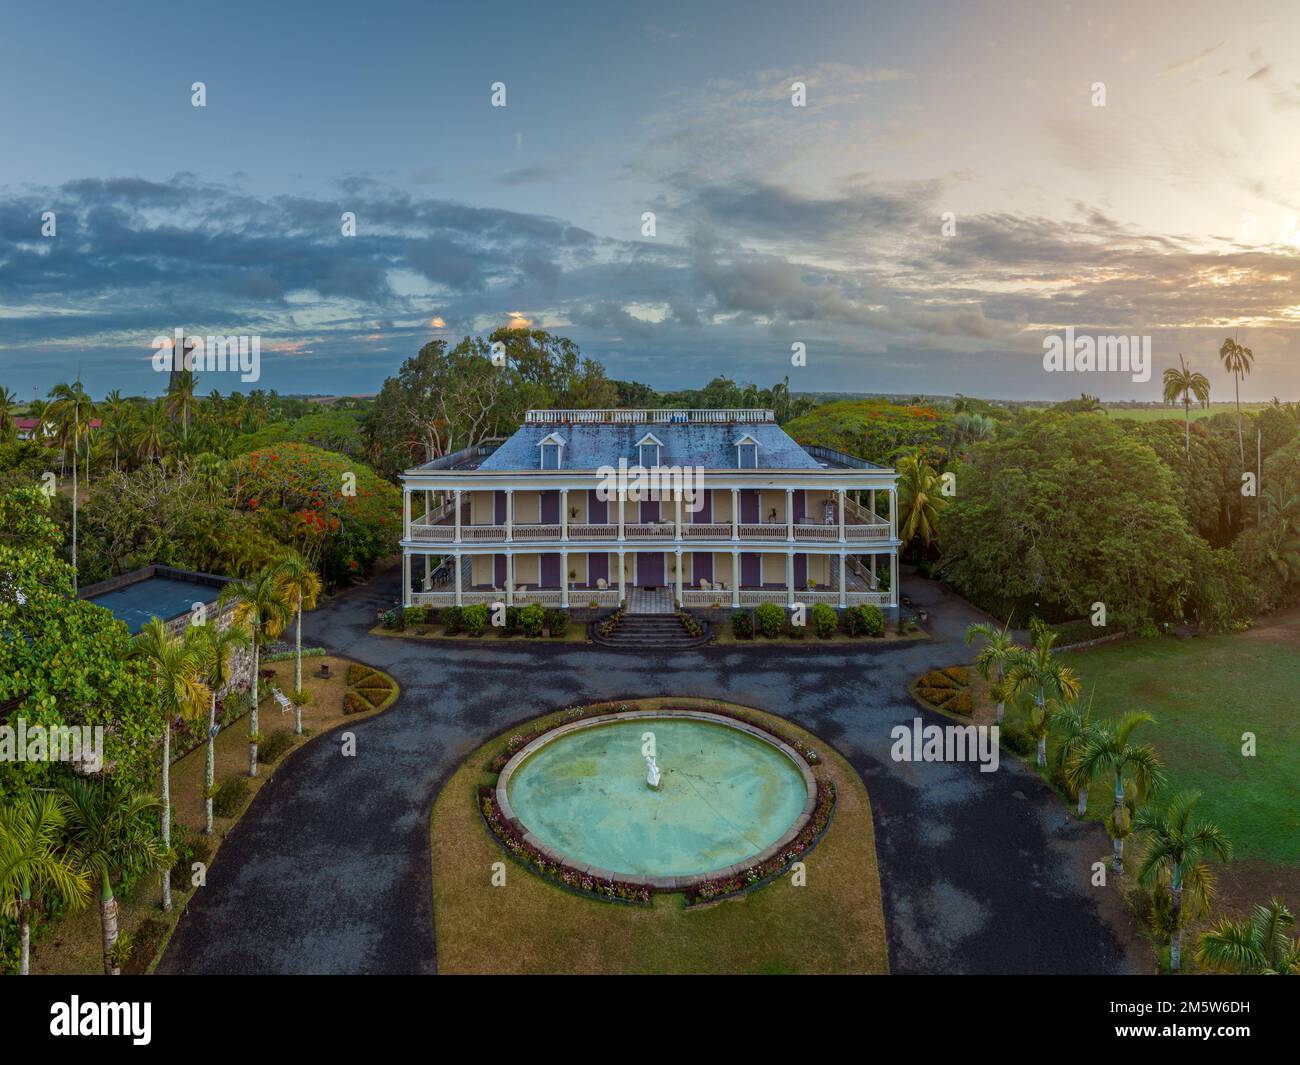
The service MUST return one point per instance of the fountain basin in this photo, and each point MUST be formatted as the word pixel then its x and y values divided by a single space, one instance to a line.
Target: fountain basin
pixel 731 796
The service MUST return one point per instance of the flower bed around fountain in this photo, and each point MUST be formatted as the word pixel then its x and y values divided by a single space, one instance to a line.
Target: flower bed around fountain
pixel 733 806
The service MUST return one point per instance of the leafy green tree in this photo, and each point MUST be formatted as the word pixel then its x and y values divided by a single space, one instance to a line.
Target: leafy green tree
pixel 33 865
pixel 1176 844
pixel 65 661
pixel 1259 945
pixel 1180 386
pixel 1109 749
pixel 259 605
pixel 1064 511
pixel 111 835
pixel 215 645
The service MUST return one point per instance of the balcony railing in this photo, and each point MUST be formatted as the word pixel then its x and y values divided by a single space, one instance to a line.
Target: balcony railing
pixel 593 532
pixel 536 532
pixel 647 531
pixel 725 416
pixel 718 530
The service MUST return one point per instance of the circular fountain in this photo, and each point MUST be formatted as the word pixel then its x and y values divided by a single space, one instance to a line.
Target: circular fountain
pixel 725 795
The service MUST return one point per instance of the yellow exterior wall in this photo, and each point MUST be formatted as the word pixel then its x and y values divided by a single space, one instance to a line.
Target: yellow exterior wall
pixel 481 569
pixel 773 569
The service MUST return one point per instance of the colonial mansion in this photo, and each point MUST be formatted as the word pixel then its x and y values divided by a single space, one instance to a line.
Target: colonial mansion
pixel 597 508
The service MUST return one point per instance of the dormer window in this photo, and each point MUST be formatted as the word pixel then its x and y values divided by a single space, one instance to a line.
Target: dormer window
pixel 648 450
pixel 746 453
pixel 552 449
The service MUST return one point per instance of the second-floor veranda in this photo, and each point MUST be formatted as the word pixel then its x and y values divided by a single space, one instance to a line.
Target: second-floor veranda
pixel 730 514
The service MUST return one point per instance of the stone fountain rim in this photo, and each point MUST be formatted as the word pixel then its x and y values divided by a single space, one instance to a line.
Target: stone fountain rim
pixel 658 883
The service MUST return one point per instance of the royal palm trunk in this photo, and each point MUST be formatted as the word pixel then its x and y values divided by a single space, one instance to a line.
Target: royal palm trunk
pixel 167 812
pixel 1082 808
pixel 208 760
pixel 252 714
pixel 108 923
pixel 24 934
pixel 297 677
pixel 1176 939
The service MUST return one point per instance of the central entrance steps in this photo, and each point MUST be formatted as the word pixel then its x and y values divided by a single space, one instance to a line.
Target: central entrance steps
pixel 650 632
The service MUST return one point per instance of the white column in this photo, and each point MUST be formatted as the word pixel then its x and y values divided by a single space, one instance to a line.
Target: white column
pixel 455 502
pixel 460 595
pixel 406 578
pixel 679 517
pixel 679 560
pixel 789 575
pixel 510 513
pixel 620 555
pixel 844 580
pixel 871 559
pixel 893 578
pixel 406 513
pixel 789 514
pixel 621 535
pixel 427 559
pixel 510 577
pixel 564 517
pixel 564 578
pixel 841 510
pixel 735 571
pixel 871 501
pixel 735 514
pixel 893 514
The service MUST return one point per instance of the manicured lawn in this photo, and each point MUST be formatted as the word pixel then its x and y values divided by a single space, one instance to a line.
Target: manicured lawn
pixel 833 925
pixel 1204 694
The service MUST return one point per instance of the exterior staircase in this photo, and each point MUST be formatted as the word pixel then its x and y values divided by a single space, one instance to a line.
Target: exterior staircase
pixel 650 632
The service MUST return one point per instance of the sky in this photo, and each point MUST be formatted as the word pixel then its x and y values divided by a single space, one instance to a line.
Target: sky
pixel 962 180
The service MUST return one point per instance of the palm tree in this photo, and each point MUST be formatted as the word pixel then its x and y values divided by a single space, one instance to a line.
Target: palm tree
pixel 1076 726
pixel 999 650
pixel 151 432
pixel 215 646
pixel 174 667
pixel 299 587
pixel 1109 748
pixel 260 606
pixel 1037 671
pixel 1237 361
pixel 210 472
pixel 116 416
pixel 110 834
pixel 1260 945
pixel 8 427
pixel 1175 845
pixel 181 399
pixel 919 500
pixel 31 864
pixel 72 410
pixel 1180 386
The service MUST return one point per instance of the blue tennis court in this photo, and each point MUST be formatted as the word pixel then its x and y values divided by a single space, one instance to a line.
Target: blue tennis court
pixel 154 597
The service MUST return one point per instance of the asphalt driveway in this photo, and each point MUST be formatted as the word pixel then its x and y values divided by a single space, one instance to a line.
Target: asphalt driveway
pixel 328 871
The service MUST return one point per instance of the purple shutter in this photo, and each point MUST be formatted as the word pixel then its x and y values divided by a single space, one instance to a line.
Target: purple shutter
pixel 751 570
pixel 597 511
pixel 749 506
pixel 499 570
pixel 649 510
pixel 551 510
pixel 702 567
pixel 549 574
pixel 498 508
pixel 705 514
pixel 801 571
pixel 597 567
pixel 800 505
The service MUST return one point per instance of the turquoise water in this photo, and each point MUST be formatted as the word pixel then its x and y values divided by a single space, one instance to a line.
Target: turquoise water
pixel 725 797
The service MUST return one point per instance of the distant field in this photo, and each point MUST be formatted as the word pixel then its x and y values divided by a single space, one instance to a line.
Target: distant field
pixel 1155 413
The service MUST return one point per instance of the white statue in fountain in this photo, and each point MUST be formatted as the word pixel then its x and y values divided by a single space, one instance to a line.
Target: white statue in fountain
pixel 652 776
